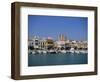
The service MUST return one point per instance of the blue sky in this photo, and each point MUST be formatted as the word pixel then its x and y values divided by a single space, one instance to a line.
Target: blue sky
pixel 74 28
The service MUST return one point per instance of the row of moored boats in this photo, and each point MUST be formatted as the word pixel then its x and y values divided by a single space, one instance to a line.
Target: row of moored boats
pixel 72 50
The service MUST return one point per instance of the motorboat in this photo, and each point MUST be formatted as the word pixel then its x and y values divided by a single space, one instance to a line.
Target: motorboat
pixel 63 51
pixel 77 51
pixel 52 51
pixel 39 51
pixel 83 51
pixel 44 51
pixel 72 50
pixel 33 52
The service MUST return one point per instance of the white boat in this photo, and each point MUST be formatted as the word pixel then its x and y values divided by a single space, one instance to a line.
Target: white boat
pixel 72 50
pixel 56 51
pixel 44 51
pixel 52 51
pixel 39 51
pixel 63 51
pixel 83 51
pixel 33 52
pixel 77 51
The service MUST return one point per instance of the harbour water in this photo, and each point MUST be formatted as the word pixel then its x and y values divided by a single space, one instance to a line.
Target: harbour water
pixel 57 59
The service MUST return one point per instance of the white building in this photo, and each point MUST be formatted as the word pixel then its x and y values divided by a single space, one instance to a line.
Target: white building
pixel 34 41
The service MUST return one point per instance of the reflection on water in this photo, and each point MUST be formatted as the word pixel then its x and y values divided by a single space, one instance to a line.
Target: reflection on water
pixel 57 59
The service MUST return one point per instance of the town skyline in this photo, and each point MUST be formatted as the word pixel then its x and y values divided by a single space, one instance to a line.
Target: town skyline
pixel 44 38
pixel 53 26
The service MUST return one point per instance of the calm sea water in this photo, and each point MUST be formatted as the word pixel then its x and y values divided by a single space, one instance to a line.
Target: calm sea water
pixel 57 59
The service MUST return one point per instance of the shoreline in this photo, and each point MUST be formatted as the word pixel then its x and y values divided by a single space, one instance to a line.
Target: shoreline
pixel 56 52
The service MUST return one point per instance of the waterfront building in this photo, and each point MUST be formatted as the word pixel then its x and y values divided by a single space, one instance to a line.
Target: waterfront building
pixel 79 44
pixel 49 43
pixel 83 45
pixel 34 42
pixel 43 44
pixel 61 42
pixel 30 42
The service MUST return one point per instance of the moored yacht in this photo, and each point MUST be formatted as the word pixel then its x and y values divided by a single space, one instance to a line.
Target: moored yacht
pixel 44 51
pixel 63 51
pixel 83 51
pixel 77 51
pixel 51 51
pixel 33 52
pixel 72 50
pixel 39 51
